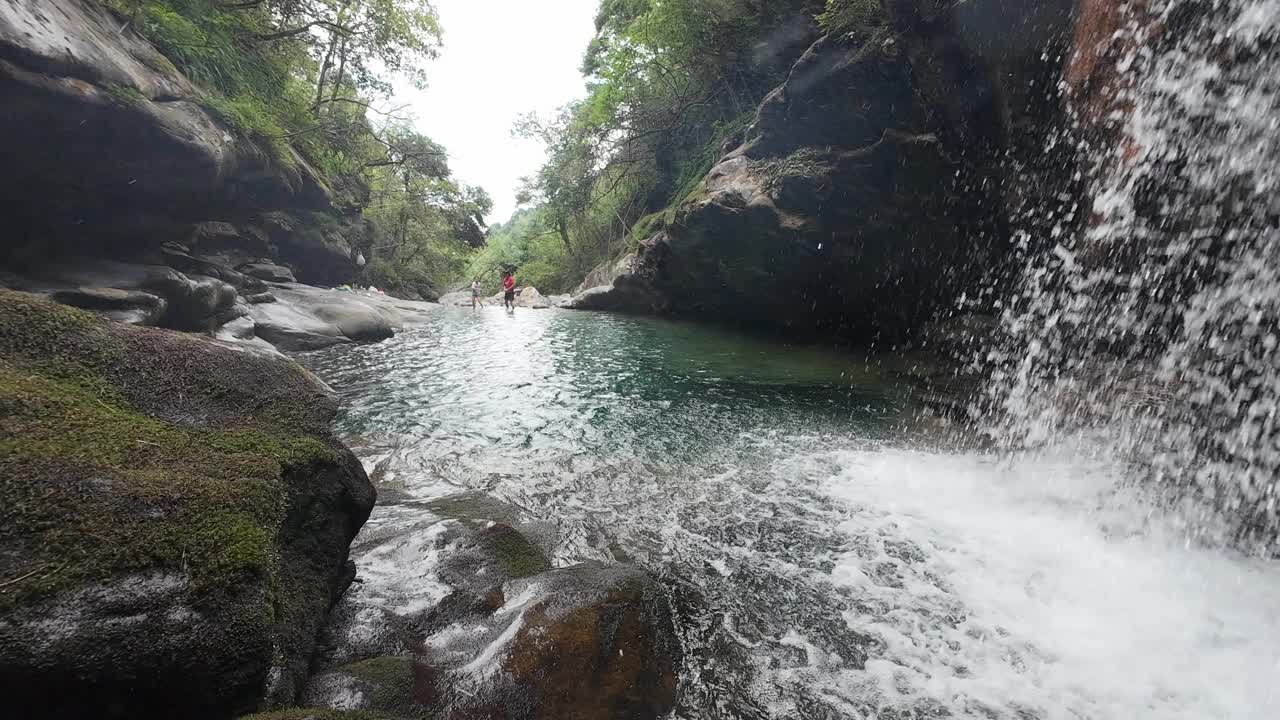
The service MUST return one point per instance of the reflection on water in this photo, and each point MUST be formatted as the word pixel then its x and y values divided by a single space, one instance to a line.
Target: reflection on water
pixel 821 567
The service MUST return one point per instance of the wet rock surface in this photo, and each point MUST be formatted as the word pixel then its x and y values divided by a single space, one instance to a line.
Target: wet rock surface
pixel 268 271
pixel 526 297
pixel 455 615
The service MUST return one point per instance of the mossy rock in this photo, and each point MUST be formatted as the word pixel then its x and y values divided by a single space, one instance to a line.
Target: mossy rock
pixel 384 685
pixel 179 511
pixel 514 552
pixel 473 509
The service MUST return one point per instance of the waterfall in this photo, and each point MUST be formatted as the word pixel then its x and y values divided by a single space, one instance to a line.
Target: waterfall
pixel 1148 324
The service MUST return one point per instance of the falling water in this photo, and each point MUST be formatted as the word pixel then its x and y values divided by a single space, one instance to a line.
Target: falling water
pixel 1150 328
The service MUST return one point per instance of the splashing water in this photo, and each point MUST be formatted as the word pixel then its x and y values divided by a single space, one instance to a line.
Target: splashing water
pixel 1155 329
pixel 823 564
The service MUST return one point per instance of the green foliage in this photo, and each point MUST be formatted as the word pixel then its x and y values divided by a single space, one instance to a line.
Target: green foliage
pixel 301 76
pixel 428 223
pixel 290 73
pixel 845 17
pixel 804 163
pixel 124 94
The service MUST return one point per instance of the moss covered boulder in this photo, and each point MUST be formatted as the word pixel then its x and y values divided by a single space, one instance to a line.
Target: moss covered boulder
pixel 175 518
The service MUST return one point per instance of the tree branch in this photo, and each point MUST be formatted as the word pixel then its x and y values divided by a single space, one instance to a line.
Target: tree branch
pixel 367 106
pixel 292 32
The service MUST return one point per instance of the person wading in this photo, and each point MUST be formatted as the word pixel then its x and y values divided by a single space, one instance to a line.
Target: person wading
pixel 509 291
pixel 475 293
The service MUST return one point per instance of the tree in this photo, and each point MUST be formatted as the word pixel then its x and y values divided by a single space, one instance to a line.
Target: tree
pixel 428 221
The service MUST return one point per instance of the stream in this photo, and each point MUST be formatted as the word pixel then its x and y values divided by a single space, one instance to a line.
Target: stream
pixel 827 559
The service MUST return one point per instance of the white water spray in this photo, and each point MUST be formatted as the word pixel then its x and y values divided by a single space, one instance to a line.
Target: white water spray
pixel 1154 328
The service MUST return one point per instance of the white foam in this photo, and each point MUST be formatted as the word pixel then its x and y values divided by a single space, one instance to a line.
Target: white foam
pixel 400 575
pixel 1066 610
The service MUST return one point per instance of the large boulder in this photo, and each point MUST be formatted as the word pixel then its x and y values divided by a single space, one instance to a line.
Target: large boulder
pixel 138 154
pixel 870 191
pixel 301 317
pixel 318 714
pixel 529 297
pixel 606 272
pixel 384 685
pixel 589 642
pixel 175 520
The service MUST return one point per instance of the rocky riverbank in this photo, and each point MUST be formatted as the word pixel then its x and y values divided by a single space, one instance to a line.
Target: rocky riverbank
pixel 177 523
pixel 257 306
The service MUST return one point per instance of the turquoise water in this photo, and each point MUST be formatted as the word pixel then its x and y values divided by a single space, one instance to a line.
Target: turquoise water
pixel 824 561
pixel 477 394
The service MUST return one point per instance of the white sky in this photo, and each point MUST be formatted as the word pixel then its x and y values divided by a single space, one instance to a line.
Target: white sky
pixel 501 59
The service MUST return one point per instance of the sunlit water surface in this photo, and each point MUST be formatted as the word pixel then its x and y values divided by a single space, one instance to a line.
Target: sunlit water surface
pixel 825 562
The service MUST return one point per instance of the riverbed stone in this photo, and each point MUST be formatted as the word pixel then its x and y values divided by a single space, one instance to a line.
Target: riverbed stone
pixel 176 519
pixel 590 642
pixel 383 685
pixel 120 290
pixel 310 318
pixel 128 306
pixel 267 271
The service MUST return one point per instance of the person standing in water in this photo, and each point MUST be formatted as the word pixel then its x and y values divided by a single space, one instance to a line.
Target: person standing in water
pixel 475 293
pixel 509 291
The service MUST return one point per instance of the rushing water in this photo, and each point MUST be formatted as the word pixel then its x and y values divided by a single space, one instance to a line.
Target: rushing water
pixel 1158 325
pixel 826 562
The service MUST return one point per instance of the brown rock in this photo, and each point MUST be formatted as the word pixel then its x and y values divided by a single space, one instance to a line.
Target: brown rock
pixel 601 646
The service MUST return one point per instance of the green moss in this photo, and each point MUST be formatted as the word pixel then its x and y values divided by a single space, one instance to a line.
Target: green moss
pixel 300 714
pixel 473 509
pixel 518 556
pixel 803 163
pixel 390 682
pixel 850 17
pixel 95 487
pixel 648 225
pixel 124 94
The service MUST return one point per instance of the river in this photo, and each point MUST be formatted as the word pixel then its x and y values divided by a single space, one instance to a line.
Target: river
pixel 828 558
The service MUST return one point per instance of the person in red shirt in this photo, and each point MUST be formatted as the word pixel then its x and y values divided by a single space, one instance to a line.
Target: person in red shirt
pixel 509 286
